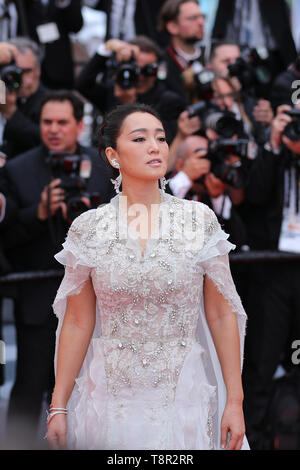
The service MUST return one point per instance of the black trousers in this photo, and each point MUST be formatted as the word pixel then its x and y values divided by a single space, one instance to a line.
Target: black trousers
pixel 273 308
pixel 34 379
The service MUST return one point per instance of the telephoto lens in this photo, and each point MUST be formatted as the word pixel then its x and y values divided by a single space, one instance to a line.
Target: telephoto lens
pixel 11 75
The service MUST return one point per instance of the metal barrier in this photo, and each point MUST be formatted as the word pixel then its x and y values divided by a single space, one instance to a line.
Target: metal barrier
pixel 242 257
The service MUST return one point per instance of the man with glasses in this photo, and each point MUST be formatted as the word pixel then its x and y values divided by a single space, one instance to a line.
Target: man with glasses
pixel 184 23
pixel 20 113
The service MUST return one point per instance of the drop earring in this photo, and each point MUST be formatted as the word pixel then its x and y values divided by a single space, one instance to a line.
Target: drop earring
pixel 117 182
pixel 115 163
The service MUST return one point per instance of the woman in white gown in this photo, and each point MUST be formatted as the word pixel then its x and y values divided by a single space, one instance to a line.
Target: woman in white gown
pixel 151 329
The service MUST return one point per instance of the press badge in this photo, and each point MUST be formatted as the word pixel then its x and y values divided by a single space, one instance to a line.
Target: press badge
pixel 47 32
pixel 85 168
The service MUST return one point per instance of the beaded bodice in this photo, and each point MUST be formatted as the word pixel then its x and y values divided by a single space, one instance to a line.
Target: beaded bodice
pixel 148 303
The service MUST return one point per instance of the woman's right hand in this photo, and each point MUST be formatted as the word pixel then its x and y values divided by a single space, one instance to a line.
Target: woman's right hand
pixel 57 432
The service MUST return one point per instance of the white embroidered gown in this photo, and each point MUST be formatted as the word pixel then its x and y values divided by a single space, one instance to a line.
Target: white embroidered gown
pixel 151 378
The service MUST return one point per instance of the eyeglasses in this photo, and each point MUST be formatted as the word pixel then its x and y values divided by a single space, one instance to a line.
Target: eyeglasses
pixel 220 96
pixel 196 17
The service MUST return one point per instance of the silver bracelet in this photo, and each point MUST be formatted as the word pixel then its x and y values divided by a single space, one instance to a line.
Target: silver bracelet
pixel 57 409
pixel 53 413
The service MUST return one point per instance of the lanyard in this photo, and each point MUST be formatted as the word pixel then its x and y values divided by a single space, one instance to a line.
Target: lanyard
pixel 182 63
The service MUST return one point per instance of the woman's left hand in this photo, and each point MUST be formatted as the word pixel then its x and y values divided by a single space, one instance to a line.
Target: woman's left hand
pixel 234 424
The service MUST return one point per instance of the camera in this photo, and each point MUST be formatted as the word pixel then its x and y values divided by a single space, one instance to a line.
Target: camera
pixel 203 83
pixel 232 174
pixel 11 75
pixel 126 74
pixel 292 130
pixel 222 122
pixel 74 171
pixel 252 68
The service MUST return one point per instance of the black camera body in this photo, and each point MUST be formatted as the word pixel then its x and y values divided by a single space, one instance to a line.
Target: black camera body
pixel 252 68
pixel 203 83
pixel 292 130
pixel 74 171
pixel 11 75
pixel 222 122
pixel 126 74
pixel 219 150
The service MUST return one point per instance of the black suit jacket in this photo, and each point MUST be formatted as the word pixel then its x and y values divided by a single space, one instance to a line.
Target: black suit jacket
pixel 28 175
pixel 274 14
pixel 22 131
pixel 174 80
pixel 263 209
pixel 57 66
pixel 145 19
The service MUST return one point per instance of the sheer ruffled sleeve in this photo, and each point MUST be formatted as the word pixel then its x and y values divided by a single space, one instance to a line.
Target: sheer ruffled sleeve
pixel 214 261
pixel 76 261
pixel 77 258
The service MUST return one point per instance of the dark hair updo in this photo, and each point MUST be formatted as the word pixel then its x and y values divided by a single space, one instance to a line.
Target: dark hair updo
pixel 111 126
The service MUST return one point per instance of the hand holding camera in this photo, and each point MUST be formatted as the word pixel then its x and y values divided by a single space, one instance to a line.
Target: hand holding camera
pixel 11 75
pixel 123 50
pixel 52 199
pixel 279 126
pixel 7 52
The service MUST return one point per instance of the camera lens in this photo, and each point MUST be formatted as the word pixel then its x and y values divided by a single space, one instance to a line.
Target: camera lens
pixel 292 130
pixel 127 76
pixel 11 76
pixel 224 125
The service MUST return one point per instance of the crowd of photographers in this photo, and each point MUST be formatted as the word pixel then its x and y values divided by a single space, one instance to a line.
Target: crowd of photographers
pixel 233 128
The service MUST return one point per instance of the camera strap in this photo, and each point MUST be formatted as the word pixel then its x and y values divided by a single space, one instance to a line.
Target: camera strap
pixel 180 61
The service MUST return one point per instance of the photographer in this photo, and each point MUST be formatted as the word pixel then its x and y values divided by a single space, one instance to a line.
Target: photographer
pixel 20 71
pixel 184 22
pixel 198 177
pixel 53 183
pixel 273 223
pixel 249 74
pixel 128 73
pixel 200 170
pixel 256 114
pixel 210 94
